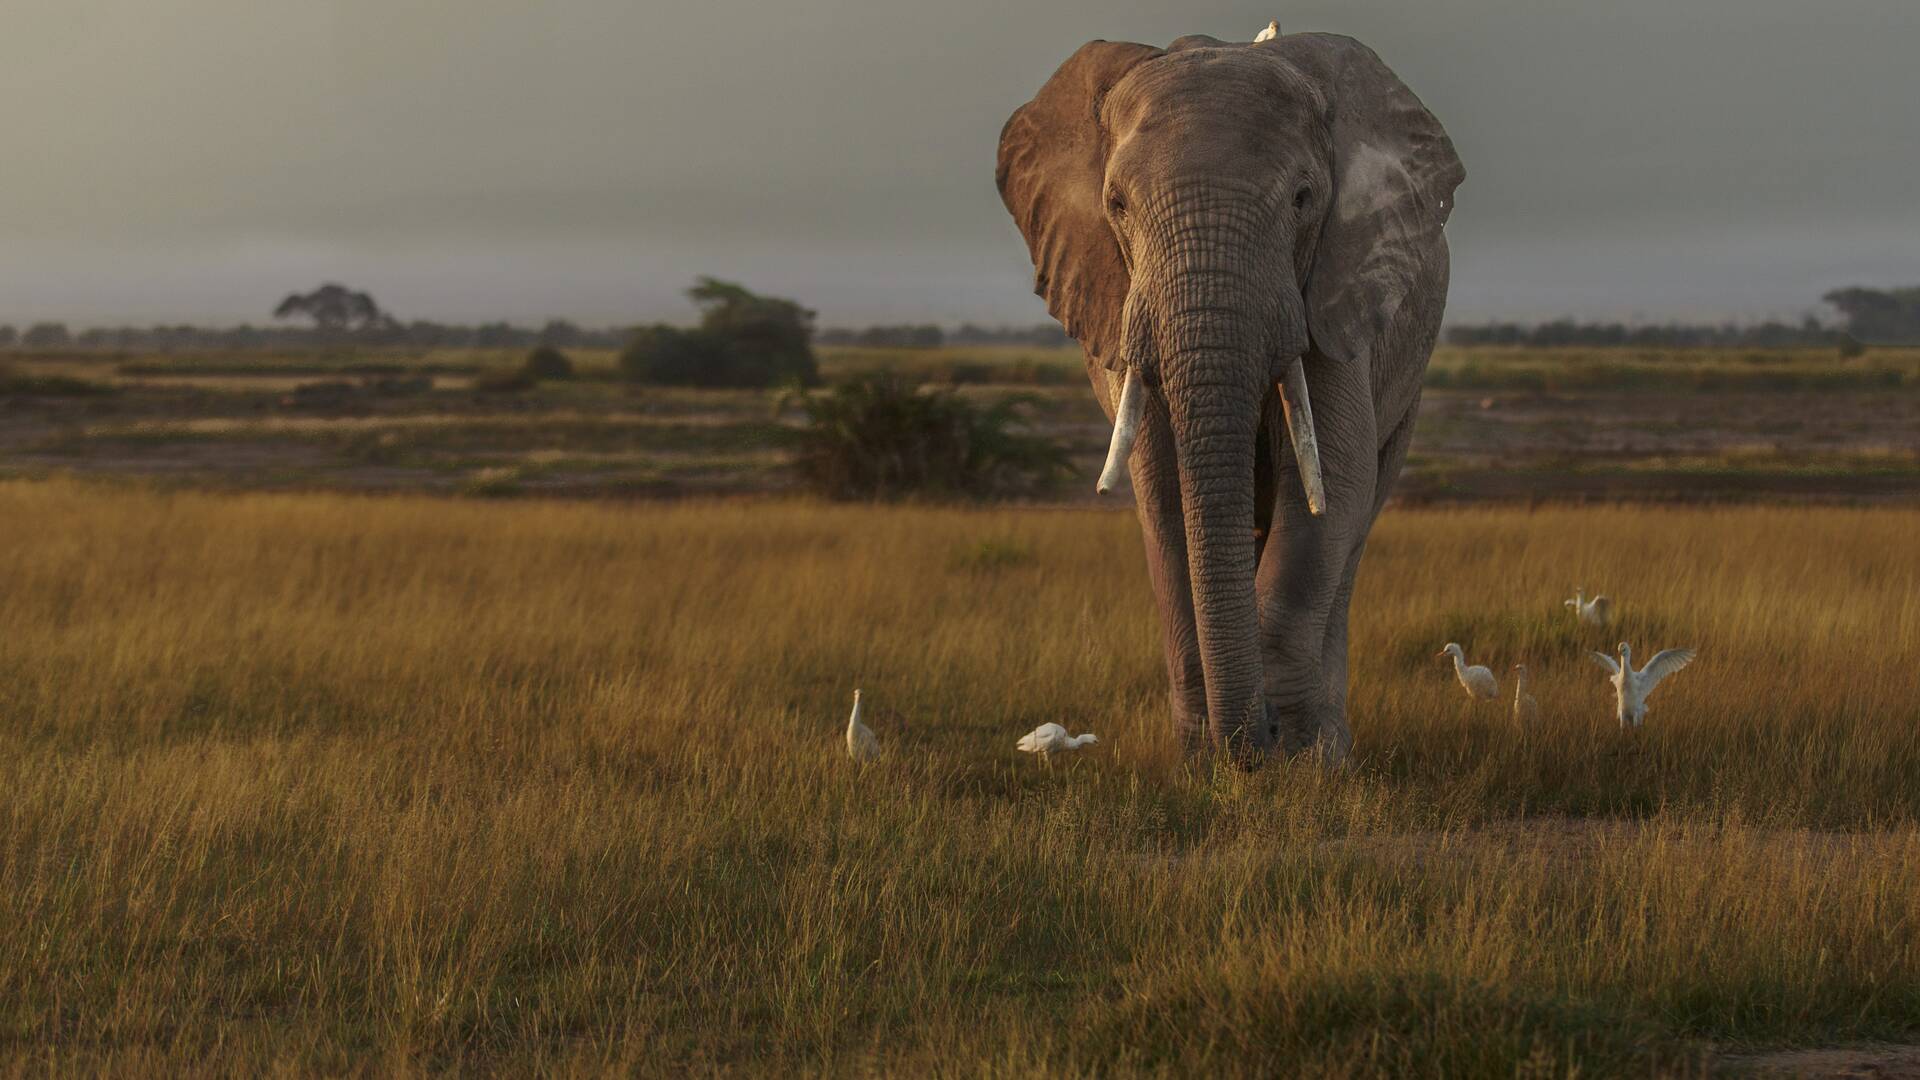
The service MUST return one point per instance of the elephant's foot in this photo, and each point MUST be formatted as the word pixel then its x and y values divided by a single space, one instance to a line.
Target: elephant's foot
pixel 1335 745
pixel 1315 728
pixel 1190 723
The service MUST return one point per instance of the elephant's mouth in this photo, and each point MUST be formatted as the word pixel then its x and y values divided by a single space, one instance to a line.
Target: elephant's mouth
pixel 1294 403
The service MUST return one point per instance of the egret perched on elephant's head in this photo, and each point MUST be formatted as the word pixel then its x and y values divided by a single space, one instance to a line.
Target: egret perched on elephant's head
pixel 1228 229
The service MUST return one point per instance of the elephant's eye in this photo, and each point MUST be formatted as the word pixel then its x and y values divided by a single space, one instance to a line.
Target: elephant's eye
pixel 1116 205
pixel 1300 197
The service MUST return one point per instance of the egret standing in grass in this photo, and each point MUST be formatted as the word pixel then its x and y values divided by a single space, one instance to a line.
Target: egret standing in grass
pixel 1476 680
pixel 1590 612
pixel 1050 739
pixel 1526 711
pixel 1630 687
pixel 861 745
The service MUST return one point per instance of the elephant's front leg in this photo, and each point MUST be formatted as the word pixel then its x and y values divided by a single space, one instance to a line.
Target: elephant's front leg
pixel 1393 455
pixel 1156 493
pixel 1304 579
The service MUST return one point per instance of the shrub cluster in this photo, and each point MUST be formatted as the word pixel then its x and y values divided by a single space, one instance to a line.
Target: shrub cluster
pixel 548 363
pixel 887 437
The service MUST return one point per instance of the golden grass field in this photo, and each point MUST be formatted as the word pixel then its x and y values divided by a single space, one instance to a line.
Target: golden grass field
pixel 330 783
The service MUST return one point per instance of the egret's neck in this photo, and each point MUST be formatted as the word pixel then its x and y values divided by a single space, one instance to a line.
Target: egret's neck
pixel 853 719
pixel 1459 665
pixel 1519 682
pixel 1079 741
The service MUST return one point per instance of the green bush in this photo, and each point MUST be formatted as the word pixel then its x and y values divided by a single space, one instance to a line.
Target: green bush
pixel 547 362
pixel 744 339
pixel 885 437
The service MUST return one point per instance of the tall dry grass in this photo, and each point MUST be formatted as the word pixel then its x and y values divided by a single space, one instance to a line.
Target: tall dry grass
pixel 308 783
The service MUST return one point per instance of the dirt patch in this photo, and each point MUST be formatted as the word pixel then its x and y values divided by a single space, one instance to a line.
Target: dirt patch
pixel 1879 1061
pixel 1500 445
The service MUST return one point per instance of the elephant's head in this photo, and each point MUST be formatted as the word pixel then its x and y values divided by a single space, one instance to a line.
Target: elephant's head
pixel 1202 216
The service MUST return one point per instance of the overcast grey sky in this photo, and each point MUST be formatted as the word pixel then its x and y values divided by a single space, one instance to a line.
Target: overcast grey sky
pixel 470 159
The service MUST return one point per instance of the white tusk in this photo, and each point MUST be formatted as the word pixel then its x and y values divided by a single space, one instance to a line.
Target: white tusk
pixel 1126 425
pixel 1306 445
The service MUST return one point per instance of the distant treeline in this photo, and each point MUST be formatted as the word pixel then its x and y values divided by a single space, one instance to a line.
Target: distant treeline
pixel 1663 336
pixel 342 317
pixel 930 336
pixel 1872 316
pixel 419 334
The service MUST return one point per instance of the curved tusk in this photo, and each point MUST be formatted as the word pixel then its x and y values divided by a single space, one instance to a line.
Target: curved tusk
pixel 1126 425
pixel 1306 444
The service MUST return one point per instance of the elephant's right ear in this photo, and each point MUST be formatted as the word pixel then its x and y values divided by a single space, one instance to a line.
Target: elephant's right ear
pixel 1053 162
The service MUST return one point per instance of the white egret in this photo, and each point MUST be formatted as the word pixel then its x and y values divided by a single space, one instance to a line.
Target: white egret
pixel 1272 31
pixel 1477 681
pixel 1630 687
pixel 1590 612
pixel 861 745
pixel 1526 711
pixel 1051 739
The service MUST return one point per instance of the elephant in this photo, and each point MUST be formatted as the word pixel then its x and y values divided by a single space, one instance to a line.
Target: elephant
pixel 1223 226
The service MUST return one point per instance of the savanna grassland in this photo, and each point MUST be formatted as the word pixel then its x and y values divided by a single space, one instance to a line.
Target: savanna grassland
pixel 400 784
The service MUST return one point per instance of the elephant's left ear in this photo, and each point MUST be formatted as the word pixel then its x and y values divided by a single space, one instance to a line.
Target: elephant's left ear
pixel 1394 174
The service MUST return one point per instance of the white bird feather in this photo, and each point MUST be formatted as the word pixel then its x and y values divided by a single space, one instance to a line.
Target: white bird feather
pixel 861 745
pixel 1630 687
pixel 1592 612
pixel 1476 680
pixel 1526 711
pixel 1272 31
pixel 1051 739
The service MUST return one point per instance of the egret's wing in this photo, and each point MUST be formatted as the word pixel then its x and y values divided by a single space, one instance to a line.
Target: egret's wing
pixel 1601 606
pixel 1606 661
pixel 1663 664
pixel 1042 738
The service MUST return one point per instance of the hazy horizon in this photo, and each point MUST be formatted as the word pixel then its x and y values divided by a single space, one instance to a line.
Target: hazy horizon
pixel 475 161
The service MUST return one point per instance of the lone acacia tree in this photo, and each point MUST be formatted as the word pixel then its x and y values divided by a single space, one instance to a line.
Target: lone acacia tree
pixel 744 339
pixel 1880 316
pixel 333 308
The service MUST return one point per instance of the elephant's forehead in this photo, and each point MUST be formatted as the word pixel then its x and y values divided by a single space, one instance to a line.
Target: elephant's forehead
pixel 1227 82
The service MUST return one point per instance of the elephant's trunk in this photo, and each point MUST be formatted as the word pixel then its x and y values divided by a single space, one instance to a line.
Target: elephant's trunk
pixel 1215 407
pixel 1222 315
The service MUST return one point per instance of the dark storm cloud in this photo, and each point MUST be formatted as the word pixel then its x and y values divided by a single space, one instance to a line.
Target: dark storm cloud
pixel 474 158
